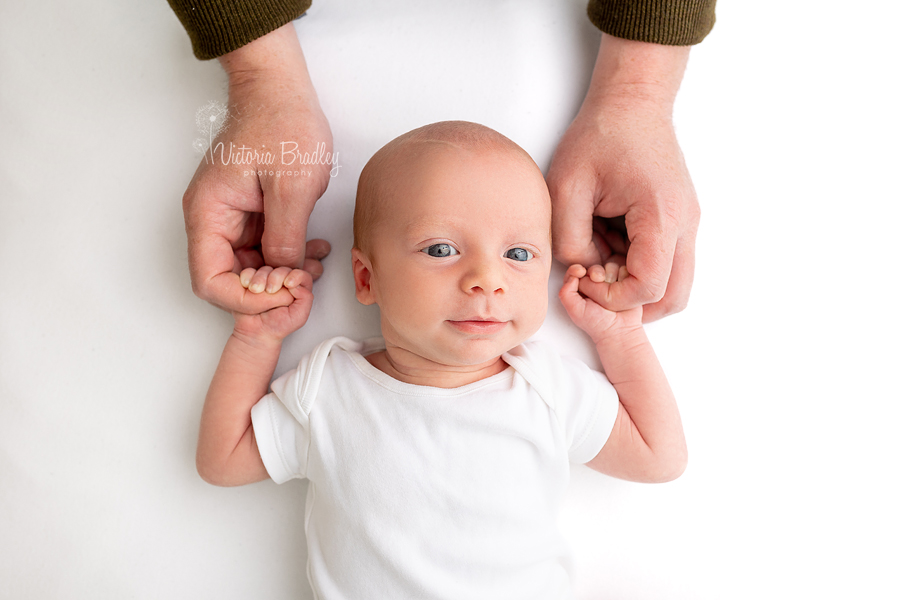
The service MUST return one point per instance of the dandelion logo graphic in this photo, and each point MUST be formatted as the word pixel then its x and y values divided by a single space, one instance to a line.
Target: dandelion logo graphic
pixel 211 120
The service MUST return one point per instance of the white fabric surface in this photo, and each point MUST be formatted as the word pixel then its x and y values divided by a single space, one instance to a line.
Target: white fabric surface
pixel 783 363
pixel 421 492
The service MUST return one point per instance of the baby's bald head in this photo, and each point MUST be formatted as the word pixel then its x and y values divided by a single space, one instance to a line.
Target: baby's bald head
pixel 383 176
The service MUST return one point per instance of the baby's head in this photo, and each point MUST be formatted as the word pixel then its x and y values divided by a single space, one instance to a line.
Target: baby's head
pixel 452 241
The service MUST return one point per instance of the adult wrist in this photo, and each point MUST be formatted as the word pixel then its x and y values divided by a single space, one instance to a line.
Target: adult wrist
pixel 274 56
pixel 635 75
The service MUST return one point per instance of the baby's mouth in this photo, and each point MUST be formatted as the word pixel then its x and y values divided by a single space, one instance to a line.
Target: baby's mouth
pixel 479 325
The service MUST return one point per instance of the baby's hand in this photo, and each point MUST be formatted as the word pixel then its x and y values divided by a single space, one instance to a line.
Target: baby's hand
pixel 587 314
pixel 269 280
pixel 277 323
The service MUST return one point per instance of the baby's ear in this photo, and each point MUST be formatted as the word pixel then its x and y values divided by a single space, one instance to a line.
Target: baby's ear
pixel 362 277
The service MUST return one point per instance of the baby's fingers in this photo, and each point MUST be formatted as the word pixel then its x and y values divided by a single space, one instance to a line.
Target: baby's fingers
pixel 576 271
pixel 609 273
pixel 276 279
pixel 258 281
pixel 247 276
pixel 298 277
pixel 303 285
pixel 269 280
pixel 597 273
pixel 571 299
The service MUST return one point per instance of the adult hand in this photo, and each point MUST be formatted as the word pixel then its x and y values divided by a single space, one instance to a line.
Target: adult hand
pixel 620 158
pixel 240 210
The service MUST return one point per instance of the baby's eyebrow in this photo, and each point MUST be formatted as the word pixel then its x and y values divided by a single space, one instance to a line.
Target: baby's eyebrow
pixel 455 227
pixel 427 226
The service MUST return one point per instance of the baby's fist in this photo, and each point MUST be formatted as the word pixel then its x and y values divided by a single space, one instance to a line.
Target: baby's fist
pixel 587 313
pixel 270 280
pixel 276 323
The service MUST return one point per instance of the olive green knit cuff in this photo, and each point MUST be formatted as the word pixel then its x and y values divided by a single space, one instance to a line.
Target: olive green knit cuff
pixel 217 27
pixel 669 22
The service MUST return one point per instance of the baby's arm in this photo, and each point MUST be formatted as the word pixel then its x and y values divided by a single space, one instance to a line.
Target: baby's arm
pixel 227 453
pixel 647 441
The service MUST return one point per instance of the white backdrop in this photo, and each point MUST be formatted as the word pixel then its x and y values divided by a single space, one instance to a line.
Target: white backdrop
pixel 781 363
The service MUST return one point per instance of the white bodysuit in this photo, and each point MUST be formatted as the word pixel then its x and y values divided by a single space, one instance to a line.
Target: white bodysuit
pixel 432 493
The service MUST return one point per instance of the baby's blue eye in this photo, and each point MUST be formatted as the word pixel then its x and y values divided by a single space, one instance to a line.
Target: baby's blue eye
pixel 440 250
pixel 519 254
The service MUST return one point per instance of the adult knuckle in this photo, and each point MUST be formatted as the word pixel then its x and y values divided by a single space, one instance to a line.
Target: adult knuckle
pixel 654 286
pixel 187 200
pixel 196 199
pixel 201 289
pixel 655 292
pixel 561 188
pixel 282 255
pixel 675 306
pixel 565 252
pixel 691 213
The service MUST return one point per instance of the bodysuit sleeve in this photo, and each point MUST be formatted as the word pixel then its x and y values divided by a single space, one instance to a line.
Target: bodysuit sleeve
pixel 584 401
pixel 281 418
pixel 281 428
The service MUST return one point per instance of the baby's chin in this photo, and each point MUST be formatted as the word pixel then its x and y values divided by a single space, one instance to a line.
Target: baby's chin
pixel 468 356
pixel 453 348
pixel 475 351
pixel 474 354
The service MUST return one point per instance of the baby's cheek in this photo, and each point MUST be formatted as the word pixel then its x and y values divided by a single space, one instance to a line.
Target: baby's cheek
pixel 533 306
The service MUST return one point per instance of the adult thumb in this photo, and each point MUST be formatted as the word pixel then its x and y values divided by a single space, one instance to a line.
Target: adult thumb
pixel 284 228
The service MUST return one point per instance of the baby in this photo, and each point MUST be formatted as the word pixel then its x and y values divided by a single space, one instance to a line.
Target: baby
pixel 438 455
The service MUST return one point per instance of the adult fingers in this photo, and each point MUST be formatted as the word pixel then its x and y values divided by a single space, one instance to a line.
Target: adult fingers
pixel 649 261
pixel 209 256
pixel 248 258
pixel 572 193
pixel 212 264
pixel 614 233
pixel 316 250
pixel 678 289
pixel 220 233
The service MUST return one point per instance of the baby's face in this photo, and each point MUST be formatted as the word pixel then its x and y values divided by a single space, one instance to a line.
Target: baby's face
pixel 461 260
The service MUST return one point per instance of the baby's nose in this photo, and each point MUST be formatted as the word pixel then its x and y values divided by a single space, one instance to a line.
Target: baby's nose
pixel 484 276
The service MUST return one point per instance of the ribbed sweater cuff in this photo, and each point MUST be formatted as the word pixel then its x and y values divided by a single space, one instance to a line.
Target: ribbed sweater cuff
pixel 669 22
pixel 217 27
